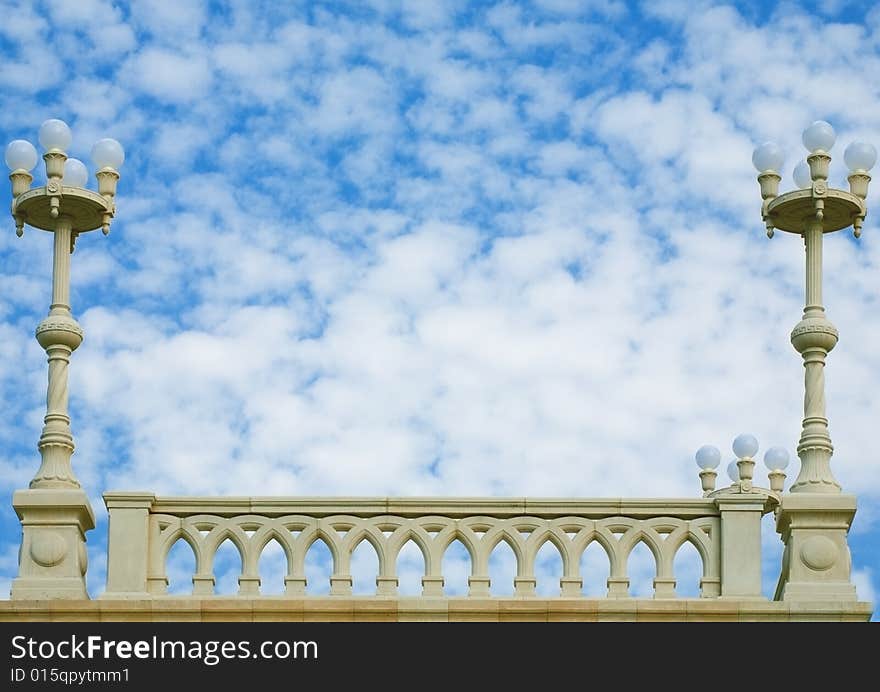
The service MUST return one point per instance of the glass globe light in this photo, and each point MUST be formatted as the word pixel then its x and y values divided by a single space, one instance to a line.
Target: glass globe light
pixel 108 153
pixel 819 136
pixel 769 156
pixel 75 173
pixel 860 156
pixel 708 457
pixel 733 471
pixel 745 445
pixel 54 134
pixel 20 154
pixel 776 458
pixel 802 176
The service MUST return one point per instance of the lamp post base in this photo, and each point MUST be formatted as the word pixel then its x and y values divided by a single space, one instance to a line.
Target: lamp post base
pixel 52 561
pixel 816 564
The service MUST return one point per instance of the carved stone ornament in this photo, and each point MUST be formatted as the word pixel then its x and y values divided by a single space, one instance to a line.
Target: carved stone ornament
pixel 48 548
pixel 819 553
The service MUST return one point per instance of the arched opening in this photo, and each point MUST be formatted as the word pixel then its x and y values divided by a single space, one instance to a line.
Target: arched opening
pixel 272 568
pixel 410 569
pixel 687 566
pixel 641 568
pixel 364 569
pixel 456 569
pixel 548 570
pixel 180 566
pixel 318 568
pixel 502 570
pixel 227 568
pixel 595 570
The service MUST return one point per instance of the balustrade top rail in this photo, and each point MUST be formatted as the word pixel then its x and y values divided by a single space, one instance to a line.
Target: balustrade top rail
pixel 457 507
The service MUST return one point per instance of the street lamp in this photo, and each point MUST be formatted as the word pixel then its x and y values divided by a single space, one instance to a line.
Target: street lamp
pixel 811 211
pixel 66 208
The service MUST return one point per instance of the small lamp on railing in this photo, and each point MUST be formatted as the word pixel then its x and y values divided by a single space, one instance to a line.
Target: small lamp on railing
pixel 745 446
pixel 741 469
pixel 733 472
pixel 708 458
pixel 776 461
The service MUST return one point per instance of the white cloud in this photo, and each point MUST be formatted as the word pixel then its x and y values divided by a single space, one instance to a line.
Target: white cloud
pixel 353 102
pixel 170 21
pixel 171 76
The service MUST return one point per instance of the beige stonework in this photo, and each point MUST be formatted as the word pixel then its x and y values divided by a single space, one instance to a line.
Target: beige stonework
pixel 331 609
pixel 52 560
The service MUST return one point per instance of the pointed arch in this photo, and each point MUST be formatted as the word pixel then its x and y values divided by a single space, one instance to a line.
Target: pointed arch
pixel 272 567
pixel 452 563
pixel 223 565
pixel 318 566
pixel 594 567
pixel 373 536
pixel 177 572
pixel 558 538
pixel 549 568
pixel 406 566
pixel 641 568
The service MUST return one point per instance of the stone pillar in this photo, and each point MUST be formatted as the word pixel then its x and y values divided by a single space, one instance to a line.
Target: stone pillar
pixel 741 543
pixel 52 560
pixel 816 564
pixel 128 544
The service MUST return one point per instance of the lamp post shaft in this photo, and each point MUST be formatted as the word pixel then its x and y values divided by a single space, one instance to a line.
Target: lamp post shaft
pixel 61 267
pixel 59 334
pixel 814 337
pixel 813 293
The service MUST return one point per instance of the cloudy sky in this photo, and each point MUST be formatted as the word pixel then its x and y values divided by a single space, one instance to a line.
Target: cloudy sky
pixel 437 248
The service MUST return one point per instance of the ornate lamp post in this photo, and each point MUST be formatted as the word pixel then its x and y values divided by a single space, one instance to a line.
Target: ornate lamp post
pixel 55 512
pixel 811 211
pixel 815 517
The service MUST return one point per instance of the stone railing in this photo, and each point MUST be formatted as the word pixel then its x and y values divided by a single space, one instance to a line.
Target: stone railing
pixel 725 530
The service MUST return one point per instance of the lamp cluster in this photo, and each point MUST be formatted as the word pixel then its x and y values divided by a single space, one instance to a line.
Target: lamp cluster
pixel 812 173
pixel 741 469
pixel 61 171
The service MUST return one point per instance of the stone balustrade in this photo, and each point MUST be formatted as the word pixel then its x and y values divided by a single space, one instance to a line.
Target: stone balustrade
pixel 725 530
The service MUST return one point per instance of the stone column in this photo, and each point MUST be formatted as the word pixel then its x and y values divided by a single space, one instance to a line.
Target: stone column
pixel 128 544
pixel 741 543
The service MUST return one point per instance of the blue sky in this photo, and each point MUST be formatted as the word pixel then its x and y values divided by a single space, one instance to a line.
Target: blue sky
pixel 437 248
